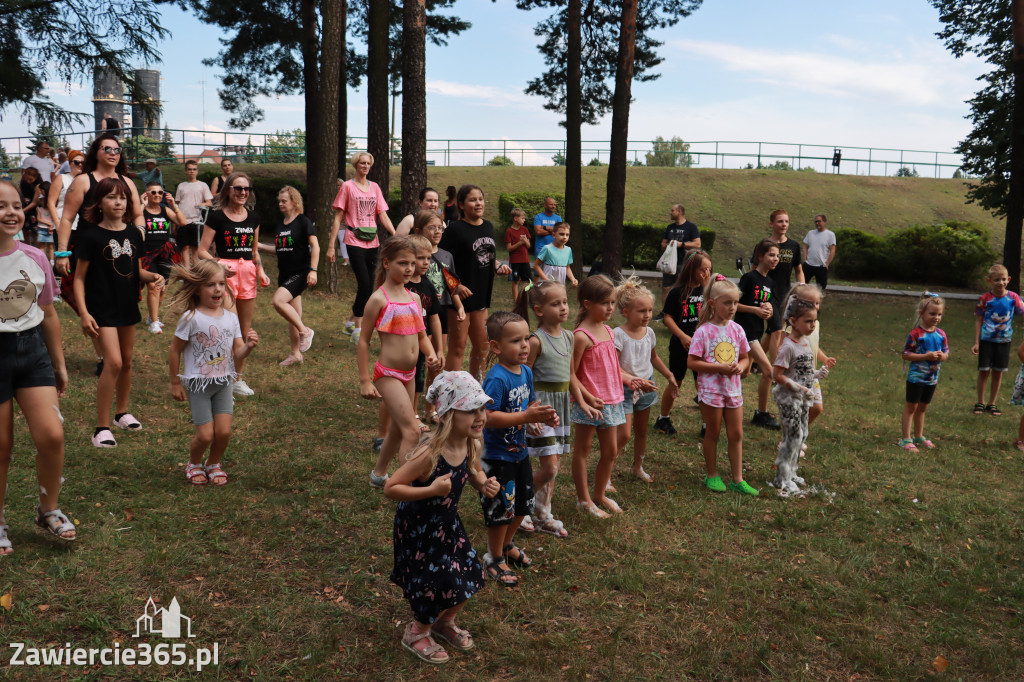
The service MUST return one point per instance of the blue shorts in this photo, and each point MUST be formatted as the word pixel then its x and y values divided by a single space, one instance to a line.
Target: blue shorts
pixel 24 362
pixel 611 415
pixel 632 404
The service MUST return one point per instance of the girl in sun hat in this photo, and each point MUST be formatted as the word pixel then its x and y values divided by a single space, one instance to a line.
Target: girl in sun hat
pixel 435 564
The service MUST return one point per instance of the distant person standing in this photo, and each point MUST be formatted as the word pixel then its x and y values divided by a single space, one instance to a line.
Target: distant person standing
pixel 686 235
pixel 190 195
pixel 789 265
pixel 451 209
pixel 226 169
pixel 110 124
pixel 40 161
pixel 544 225
pixel 151 174
pixel 819 250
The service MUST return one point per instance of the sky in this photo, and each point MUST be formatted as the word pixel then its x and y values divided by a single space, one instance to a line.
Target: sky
pixel 801 72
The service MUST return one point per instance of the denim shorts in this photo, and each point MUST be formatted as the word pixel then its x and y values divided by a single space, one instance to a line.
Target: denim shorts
pixel 632 404
pixel 24 362
pixel 214 399
pixel 611 415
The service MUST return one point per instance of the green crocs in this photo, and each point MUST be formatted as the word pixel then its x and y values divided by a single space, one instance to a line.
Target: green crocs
pixel 743 488
pixel 715 484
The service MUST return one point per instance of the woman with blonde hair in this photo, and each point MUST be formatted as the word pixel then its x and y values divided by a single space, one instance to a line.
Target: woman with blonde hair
pixel 359 203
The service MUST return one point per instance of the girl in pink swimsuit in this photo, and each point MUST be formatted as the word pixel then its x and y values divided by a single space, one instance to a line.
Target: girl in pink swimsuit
pixel 399 322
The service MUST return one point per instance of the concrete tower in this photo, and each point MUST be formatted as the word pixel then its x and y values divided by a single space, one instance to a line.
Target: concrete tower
pixel 144 123
pixel 107 95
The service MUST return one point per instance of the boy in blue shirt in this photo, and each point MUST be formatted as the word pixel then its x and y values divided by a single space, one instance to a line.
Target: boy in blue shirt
pixel 509 384
pixel 993 332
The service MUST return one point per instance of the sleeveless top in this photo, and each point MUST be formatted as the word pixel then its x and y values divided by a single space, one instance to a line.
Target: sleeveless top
pixel 554 363
pixel 90 199
pixel 599 369
pixel 65 183
pixel 399 318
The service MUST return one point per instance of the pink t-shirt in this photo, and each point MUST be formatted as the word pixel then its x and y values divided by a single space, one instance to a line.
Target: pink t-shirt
pixel 361 210
pixel 723 345
pixel 26 282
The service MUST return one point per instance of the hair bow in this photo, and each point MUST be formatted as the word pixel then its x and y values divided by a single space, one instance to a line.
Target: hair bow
pixel 719 277
pixel 930 294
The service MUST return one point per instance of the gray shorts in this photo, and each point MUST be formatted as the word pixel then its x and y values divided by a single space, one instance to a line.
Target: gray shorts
pixel 206 402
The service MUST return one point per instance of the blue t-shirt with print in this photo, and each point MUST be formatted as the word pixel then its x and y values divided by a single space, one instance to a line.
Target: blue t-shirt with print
pixel 921 341
pixel 996 313
pixel 510 393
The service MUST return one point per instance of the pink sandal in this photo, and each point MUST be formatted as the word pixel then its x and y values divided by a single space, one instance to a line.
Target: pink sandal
pixel 432 653
pixel 195 474
pixel 450 633
pixel 215 473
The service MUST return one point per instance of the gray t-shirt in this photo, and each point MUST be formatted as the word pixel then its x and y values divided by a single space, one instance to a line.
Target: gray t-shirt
pixel 189 196
pixel 635 354
pixel 818 243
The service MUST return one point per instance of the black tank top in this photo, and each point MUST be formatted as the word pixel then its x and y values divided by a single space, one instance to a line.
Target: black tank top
pixel 113 125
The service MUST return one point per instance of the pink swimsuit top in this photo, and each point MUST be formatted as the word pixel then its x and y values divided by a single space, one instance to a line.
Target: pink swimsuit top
pixel 399 318
pixel 599 369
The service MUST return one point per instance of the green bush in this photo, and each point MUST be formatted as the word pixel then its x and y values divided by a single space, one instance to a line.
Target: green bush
pixel 951 253
pixel 531 202
pixel 641 243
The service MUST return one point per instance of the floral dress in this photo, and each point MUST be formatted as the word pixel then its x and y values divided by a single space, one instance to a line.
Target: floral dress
pixel 435 564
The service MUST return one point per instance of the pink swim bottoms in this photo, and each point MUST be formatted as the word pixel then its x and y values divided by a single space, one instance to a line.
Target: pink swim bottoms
pixel 718 400
pixel 405 376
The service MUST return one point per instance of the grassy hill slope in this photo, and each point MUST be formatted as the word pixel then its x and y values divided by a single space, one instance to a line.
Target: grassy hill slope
pixel 736 203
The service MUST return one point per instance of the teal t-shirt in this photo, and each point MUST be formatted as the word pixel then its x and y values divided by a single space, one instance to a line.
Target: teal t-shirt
pixel 555 261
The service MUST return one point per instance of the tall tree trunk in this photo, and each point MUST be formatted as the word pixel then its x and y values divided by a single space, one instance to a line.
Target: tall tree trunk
pixel 574 133
pixel 1015 200
pixel 336 169
pixel 311 88
pixel 321 183
pixel 616 188
pixel 378 57
pixel 342 94
pixel 414 103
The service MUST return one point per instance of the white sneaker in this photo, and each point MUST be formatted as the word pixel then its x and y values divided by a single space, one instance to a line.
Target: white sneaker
pixel 242 388
pixel 160 323
pixel 306 340
pixel 147 320
pixel 355 335
pixel 349 326
pixel 155 328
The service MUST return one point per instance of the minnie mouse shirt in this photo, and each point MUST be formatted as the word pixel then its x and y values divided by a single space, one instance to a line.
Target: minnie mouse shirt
pixel 112 280
pixel 209 355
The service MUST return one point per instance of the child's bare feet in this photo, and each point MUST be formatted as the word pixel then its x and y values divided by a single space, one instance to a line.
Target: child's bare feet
pixel 609 504
pixel 592 508
pixel 642 475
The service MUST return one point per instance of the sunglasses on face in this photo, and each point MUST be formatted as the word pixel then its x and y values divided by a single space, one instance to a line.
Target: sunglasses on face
pixel 110 150
pixel 76 163
pixel 156 193
pixel 241 190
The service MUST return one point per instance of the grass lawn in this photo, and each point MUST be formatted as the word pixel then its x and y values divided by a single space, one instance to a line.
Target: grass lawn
pixel 286 568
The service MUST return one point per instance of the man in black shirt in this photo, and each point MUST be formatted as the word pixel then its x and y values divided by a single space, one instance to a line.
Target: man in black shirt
pixel 686 235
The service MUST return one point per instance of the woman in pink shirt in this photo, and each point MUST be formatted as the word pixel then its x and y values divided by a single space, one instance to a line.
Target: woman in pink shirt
pixel 359 202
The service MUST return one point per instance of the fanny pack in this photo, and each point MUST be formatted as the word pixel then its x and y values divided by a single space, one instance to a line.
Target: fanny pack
pixel 366 234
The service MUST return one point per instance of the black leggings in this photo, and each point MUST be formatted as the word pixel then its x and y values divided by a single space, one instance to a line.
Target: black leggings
pixel 364 265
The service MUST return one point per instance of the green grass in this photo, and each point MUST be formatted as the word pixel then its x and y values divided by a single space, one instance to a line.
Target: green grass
pixel 736 203
pixel 287 566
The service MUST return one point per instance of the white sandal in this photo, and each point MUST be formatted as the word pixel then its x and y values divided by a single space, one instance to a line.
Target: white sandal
pixel 5 542
pixel 63 523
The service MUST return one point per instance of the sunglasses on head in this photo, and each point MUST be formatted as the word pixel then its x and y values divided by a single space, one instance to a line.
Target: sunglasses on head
pixel 240 189
pixel 110 150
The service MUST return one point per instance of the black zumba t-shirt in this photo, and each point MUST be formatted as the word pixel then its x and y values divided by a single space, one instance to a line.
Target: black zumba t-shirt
pixel 473 251
pixel 233 239
pixel 789 258
pixel 112 282
pixel 684 309
pixel 756 289
pixel 158 229
pixel 292 244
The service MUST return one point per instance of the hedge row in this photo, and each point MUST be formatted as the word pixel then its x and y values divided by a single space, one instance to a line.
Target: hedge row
pixel 952 253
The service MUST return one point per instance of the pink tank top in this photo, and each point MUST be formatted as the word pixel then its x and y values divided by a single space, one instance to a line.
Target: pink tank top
pixel 599 369
pixel 399 318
